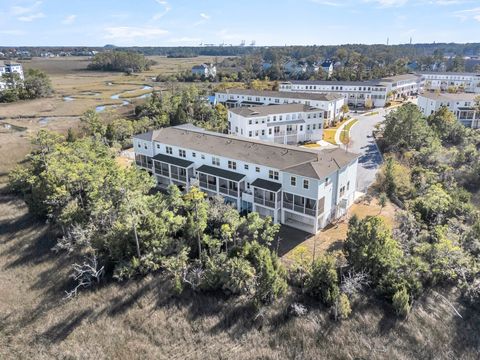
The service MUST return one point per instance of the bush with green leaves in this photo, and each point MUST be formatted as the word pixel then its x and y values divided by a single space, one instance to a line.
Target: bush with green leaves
pixel 401 302
pixel 322 281
pixel 270 274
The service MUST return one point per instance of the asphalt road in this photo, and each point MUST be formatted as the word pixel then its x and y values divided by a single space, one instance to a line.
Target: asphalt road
pixel 362 142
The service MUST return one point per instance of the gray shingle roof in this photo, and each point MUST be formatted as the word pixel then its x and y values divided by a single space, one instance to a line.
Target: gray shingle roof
pixel 225 174
pixel 266 184
pixel 173 160
pixel 283 94
pixel 449 96
pixel 301 161
pixel 266 110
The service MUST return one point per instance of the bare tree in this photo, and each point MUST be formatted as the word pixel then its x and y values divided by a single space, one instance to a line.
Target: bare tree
pixel 352 282
pixel 86 275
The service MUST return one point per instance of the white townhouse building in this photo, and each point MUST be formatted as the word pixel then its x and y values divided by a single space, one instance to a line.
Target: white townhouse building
pixel 433 80
pixel 329 104
pixel 10 68
pixel 281 124
pixel 356 93
pixel 303 188
pixel 207 70
pixel 461 104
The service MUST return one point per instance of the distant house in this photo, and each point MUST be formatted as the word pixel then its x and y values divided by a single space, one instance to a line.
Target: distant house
pixel 207 70
pixel 294 67
pixel 9 68
pixel 327 66
pixel 412 66
pixel 313 68
pixel 266 65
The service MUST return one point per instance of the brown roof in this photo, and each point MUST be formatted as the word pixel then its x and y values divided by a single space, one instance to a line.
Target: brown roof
pixel 301 161
pixel 284 94
pixel 266 110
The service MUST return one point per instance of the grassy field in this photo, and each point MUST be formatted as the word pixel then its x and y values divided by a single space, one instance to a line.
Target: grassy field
pixel 88 89
pixel 140 320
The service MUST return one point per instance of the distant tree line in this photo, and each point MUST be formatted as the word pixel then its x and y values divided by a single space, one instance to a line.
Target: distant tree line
pixel 125 61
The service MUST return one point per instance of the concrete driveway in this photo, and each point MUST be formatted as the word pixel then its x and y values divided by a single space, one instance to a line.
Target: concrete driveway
pixel 362 142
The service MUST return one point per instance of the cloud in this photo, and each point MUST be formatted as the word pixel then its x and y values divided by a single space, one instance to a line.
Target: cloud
pixel 21 10
pixel 12 32
pixel 329 2
pixel 205 16
pixel 70 19
pixel 166 9
pixel 388 3
pixel 31 17
pixel 27 13
pixel 468 14
pixel 130 33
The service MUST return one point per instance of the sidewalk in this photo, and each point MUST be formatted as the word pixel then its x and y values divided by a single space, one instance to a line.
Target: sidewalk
pixel 340 129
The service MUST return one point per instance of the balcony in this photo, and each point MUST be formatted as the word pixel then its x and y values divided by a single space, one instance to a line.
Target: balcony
pixel 264 202
pixel 144 164
pixel 182 178
pixel 231 192
pixel 208 186
pixel 300 209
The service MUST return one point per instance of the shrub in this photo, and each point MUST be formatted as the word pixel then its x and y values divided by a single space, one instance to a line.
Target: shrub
pixel 343 309
pixel 401 302
pixel 238 277
pixel 322 281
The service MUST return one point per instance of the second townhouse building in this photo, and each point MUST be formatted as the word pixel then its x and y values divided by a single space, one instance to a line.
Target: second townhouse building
pixel 281 124
pixel 463 105
pixel 329 104
pixel 359 93
pixel 303 188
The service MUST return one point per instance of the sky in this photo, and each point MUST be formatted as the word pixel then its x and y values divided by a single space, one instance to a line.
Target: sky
pixel 268 22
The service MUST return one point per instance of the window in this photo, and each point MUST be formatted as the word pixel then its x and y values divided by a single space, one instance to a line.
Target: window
pixel 245 166
pixel 348 185
pixel 263 132
pixel 257 169
pixel 203 157
pixel 139 145
pixel 249 122
pixel 248 185
pixel 215 161
pixel 158 146
pixel 145 146
pixel 232 165
pixel 270 131
pixel 293 181
pixel 273 174
pixel 182 153
pixel 305 184
pixel 249 134
pixel 169 150
pixel 194 154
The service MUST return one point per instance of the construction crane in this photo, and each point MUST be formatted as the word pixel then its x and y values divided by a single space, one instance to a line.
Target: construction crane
pixel 253 43
pixel 242 43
